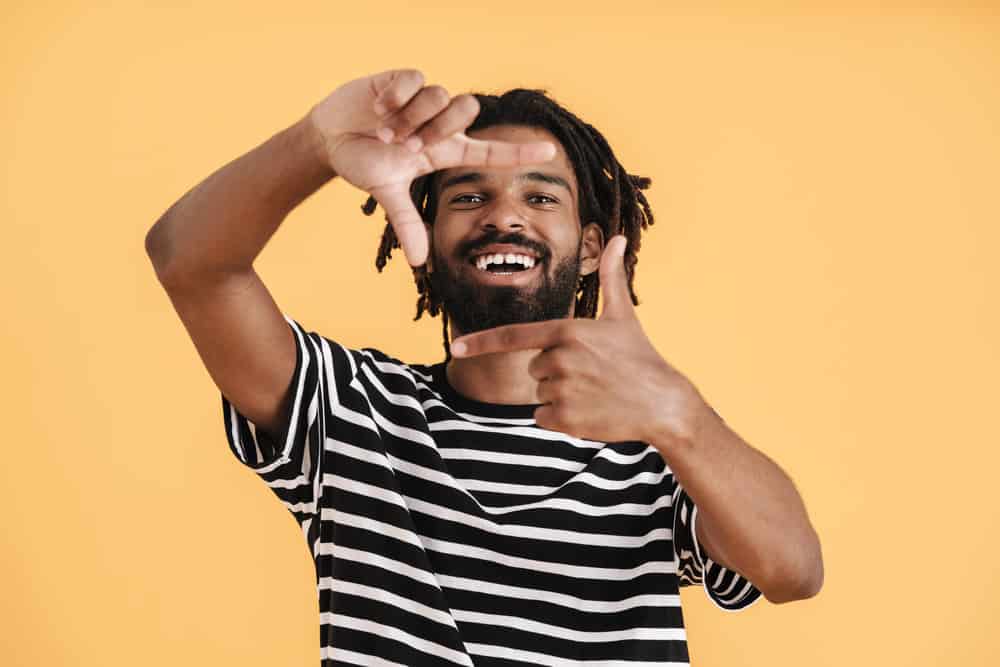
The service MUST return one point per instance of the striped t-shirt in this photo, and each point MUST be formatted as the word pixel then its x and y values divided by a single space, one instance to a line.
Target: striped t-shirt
pixel 447 531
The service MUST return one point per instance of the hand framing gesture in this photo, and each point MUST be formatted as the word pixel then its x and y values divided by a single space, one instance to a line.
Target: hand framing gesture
pixel 599 379
pixel 382 131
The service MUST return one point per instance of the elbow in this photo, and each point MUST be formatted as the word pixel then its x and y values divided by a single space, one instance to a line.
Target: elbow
pixel 792 589
pixel 156 244
pixel 801 581
pixel 161 252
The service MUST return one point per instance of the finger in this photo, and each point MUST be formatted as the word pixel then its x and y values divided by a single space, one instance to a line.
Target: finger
pixel 459 150
pixel 405 221
pixel 424 106
pixel 545 417
pixel 552 363
pixel 460 113
pixel 553 390
pixel 530 336
pixel 553 416
pixel 614 281
pixel 395 88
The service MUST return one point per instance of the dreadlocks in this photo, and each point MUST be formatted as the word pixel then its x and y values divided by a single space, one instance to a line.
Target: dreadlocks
pixel 608 195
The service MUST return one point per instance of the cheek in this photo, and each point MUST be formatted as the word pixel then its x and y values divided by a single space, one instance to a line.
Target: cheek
pixel 569 239
pixel 444 244
pixel 441 235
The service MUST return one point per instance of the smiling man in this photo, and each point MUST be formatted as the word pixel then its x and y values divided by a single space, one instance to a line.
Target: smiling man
pixel 540 495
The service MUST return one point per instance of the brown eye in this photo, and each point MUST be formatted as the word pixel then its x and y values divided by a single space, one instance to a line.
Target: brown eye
pixel 464 199
pixel 548 199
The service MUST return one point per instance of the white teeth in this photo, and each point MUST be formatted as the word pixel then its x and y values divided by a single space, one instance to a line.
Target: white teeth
pixel 484 261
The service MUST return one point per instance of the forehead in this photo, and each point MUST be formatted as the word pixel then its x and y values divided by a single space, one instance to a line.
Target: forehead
pixel 559 164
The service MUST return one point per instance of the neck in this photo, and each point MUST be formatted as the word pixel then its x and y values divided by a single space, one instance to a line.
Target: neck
pixel 495 378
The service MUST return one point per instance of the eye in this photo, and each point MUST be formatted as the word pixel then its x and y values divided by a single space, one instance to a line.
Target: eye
pixel 546 199
pixel 464 199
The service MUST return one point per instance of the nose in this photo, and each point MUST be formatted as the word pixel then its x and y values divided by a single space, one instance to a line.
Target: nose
pixel 504 215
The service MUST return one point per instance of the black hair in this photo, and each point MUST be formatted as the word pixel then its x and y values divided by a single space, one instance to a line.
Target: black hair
pixel 607 194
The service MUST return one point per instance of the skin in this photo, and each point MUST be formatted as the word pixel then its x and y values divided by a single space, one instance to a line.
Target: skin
pixel 598 379
pixel 545 212
pixel 604 380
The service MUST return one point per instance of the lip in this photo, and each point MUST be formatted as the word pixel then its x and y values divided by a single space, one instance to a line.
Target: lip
pixel 503 249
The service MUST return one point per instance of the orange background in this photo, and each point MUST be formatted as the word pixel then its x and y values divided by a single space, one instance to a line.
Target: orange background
pixel 823 267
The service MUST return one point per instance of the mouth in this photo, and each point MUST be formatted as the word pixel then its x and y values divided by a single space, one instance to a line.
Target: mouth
pixel 511 267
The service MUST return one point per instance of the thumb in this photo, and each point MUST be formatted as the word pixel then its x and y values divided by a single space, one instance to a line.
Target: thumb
pixel 614 282
pixel 405 221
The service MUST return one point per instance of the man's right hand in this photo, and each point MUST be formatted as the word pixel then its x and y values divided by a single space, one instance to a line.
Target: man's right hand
pixel 422 130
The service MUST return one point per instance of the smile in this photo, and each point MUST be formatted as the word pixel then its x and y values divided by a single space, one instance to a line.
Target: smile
pixel 503 263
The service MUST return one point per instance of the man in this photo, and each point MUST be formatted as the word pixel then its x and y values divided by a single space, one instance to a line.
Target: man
pixel 539 496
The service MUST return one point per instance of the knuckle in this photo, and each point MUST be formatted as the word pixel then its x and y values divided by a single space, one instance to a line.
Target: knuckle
pixel 544 392
pixel 559 390
pixel 562 362
pixel 405 117
pixel 412 76
pixel 403 88
pixel 466 104
pixel 569 334
pixel 394 99
pixel 437 95
pixel 507 337
pixel 435 131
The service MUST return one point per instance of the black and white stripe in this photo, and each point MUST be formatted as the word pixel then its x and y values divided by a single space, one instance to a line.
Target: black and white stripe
pixel 446 531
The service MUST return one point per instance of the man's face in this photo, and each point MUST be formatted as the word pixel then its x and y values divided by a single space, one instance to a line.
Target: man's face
pixel 528 214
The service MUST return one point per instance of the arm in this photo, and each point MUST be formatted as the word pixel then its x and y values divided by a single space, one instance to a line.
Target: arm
pixel 203 249
pixel 204 246
pixel 220 226
pixel 603 380
pixel 750 517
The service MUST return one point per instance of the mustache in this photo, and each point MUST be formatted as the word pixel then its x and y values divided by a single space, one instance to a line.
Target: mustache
pixel 513 238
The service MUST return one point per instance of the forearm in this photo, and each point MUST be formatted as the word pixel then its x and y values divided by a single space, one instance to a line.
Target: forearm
pixel 749 512
pixel 222 224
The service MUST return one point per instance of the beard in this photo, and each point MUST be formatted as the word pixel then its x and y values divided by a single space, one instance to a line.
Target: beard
pixel 474 307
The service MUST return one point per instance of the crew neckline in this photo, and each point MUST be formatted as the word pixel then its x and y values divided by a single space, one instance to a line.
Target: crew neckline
pixel 465 404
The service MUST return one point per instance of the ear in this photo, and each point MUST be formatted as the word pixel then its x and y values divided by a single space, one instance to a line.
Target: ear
pixel 591 247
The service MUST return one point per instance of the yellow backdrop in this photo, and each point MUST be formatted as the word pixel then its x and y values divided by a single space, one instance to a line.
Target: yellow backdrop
pixel 822 267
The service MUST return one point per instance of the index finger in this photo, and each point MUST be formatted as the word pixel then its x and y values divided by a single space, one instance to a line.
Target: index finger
pixel 459 150
pixel 528 336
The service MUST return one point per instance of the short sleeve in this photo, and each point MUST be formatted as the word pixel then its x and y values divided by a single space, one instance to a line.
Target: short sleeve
pixel 728 589
pixel 291 464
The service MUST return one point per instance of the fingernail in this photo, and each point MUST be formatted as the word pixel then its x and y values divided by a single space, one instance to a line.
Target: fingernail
pixel 457 349
pixel 415 143
pixel 385 134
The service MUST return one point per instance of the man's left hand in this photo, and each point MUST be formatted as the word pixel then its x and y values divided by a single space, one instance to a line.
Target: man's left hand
pixel 600 379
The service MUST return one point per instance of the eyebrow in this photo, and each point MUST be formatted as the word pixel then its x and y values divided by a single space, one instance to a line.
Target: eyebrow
pixel 476 177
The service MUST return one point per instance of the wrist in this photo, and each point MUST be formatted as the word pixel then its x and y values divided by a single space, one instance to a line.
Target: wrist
pixel 681 424
pixel 313 141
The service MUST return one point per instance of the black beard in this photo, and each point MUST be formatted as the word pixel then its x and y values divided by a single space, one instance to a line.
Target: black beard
pixel 474 307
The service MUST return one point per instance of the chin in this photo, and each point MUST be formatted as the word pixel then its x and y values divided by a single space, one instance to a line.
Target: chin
pixel 474 304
